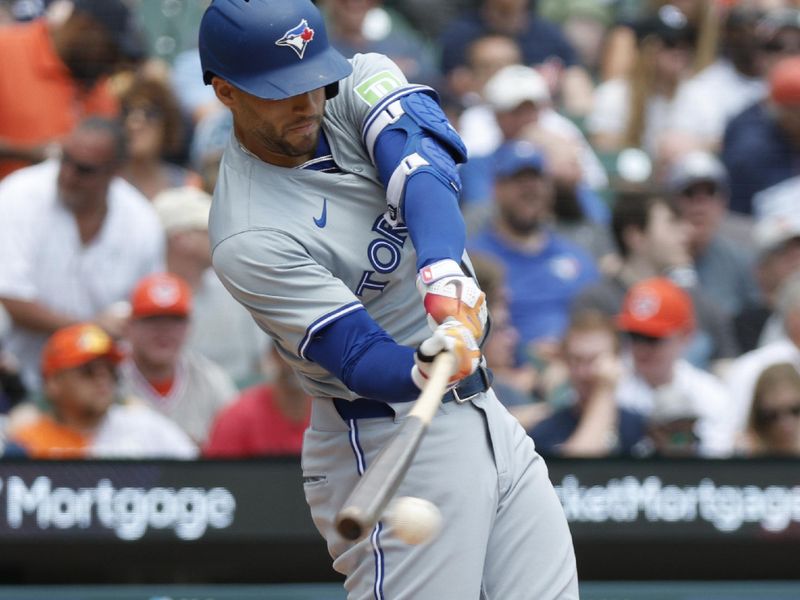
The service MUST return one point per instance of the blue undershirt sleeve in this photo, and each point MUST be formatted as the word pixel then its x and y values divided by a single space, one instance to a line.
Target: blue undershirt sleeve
pixel 355 348
pixel 434 220
pixel 430 206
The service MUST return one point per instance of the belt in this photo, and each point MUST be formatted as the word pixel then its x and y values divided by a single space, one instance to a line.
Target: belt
pixel 364 408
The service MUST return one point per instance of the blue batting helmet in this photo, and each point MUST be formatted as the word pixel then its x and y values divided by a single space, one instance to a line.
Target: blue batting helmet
pixel 272 49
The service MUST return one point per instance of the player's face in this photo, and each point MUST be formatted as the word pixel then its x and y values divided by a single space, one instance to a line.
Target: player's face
pixel 280 132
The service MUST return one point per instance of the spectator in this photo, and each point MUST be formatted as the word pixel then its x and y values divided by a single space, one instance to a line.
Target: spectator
pixel 485 56
pixel 544 271
pixel 75 239
pixel 773 426
pixel 735 79
pixel 777 237
pixel 517 106
pixel 515 383
pixel 221 329
pixel 658 318
pixel 542 43
pixel 672 426
pixel 362 26
pixel 761 146
pixel 79 368
pixel 592 425
pixel 186 387
pixel 620 49
pixel 54 73
pixel 743 373
pixel 652 241
pixel 155 132
pixel 718 241
pixel 585 25
pixel 12 389
pixel 431 18
pixel 267 419
pixel 635 110
pixel 579 213
pixel 778 35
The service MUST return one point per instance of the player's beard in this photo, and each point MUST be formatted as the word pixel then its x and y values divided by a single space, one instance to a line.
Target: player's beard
pixel 283 144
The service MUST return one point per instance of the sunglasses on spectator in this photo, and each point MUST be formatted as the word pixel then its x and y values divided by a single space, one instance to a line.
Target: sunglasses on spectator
pixel 82 168
pixel 148 113
pixel 772 415
pixel 700 189
pixel 642 338
pixel 778 47
pixel 95 368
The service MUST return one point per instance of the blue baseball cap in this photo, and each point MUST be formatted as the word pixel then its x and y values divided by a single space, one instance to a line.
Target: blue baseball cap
pixel 513 157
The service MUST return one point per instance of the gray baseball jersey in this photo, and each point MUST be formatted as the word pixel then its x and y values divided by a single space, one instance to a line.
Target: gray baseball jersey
pixel 301 248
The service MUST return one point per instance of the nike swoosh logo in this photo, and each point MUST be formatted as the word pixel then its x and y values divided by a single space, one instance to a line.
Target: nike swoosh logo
pixel 323 218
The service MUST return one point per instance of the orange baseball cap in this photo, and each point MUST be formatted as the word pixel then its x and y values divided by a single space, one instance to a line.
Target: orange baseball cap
pixel 656 307
pixel 784 82
pixel 75 345
pixel 162 294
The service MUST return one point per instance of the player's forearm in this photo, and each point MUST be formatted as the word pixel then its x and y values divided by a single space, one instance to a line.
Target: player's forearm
pixel 35 316
pixel 434 221
pixel 365 358
pixel 384 373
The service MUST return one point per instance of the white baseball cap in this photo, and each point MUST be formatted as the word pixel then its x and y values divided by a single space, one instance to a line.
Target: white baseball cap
pixel 672 404
pixel 694 167
pixel 513 85
pixel 182 208
pixel 772 231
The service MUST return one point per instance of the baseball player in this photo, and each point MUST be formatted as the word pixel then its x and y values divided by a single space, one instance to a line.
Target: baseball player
pixel 335 222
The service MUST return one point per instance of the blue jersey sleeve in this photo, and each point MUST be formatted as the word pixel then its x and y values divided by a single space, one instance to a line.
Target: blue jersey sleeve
pixel 365 358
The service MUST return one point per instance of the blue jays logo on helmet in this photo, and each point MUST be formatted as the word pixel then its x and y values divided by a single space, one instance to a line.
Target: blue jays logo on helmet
pixel 297 38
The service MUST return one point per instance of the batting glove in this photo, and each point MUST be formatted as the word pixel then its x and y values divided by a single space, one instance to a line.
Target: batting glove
pixel 447 292
pixel 451 335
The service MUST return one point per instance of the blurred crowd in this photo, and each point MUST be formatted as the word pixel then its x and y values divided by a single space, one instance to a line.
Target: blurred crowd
pixel 632 202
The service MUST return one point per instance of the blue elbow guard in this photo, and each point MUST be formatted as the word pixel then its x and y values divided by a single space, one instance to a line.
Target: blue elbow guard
pixel 431 144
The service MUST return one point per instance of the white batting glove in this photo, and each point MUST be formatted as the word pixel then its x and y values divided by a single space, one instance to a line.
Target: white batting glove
pixel 447 292
pixel 451 335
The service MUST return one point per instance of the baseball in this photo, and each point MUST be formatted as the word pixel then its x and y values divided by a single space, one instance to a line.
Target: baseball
pixel 414 520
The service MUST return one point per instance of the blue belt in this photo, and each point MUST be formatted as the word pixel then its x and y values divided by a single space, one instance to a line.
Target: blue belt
pixel 364 408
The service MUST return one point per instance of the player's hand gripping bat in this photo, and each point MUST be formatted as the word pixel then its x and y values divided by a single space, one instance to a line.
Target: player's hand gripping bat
pixel 366 503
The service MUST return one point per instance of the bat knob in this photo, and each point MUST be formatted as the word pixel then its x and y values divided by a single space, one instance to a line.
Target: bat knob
pixel 349 528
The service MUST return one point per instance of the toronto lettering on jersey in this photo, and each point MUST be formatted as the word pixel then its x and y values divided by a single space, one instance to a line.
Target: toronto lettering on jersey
pixel 127 511
pixel 383 254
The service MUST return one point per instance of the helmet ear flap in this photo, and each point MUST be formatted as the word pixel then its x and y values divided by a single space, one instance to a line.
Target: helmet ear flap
pixel 331 90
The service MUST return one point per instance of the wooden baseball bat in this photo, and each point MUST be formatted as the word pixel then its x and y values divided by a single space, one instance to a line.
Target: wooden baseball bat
pixel 366 503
